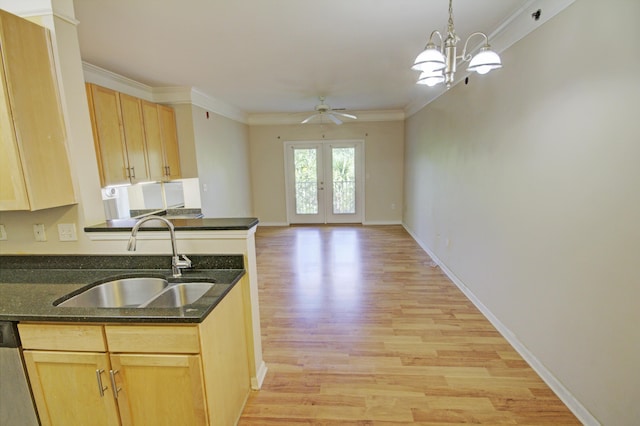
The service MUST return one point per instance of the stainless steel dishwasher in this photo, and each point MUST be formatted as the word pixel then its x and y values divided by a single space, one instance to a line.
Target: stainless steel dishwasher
pixel 16 402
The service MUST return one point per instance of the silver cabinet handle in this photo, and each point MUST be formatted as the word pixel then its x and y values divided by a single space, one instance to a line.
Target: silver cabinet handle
pixel 133 172
pixel 114 387
pixel 99 378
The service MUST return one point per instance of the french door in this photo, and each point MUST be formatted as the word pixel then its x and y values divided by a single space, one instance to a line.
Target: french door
pixel 324 181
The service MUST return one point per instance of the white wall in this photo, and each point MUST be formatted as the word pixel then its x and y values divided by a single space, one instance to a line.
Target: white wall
pixel 384 150
pixel 526 185
pixel 222 147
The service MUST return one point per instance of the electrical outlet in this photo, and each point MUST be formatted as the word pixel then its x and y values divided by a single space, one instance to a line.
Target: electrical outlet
pixel 3 233
pixel 38 232
pixel 67 232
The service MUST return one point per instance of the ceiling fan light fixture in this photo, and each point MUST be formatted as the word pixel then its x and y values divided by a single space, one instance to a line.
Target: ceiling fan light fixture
pixel 324 110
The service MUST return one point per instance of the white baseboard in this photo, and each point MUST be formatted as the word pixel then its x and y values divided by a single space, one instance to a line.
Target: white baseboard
pixel 556 386
pixel 256 382
pixel 367 223
pixel 265 224
pixel 382 222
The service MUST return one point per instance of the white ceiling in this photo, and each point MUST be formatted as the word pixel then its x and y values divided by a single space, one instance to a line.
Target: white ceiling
pixel 274 56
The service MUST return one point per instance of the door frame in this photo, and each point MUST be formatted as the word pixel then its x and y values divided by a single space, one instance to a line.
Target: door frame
pixel 328 216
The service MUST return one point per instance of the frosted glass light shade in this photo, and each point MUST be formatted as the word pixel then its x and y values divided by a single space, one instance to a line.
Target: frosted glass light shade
pixel 430 78
pixel 430 59
pixel 485 61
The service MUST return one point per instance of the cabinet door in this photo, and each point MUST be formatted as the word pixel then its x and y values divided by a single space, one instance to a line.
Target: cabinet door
pixel 134 138
pixel 170 141
pixel 33 128
pixel 12 187
pixel 108 135
pixel 155 153
pixel 225 360
pixel 160 389
pixel 66 388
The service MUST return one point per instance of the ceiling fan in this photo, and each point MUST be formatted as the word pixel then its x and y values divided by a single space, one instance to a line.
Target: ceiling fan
pixel 333 114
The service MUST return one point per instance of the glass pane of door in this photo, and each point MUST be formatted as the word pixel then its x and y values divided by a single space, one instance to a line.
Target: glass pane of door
pixel 306 180
pixel 324 181
pixel 343 172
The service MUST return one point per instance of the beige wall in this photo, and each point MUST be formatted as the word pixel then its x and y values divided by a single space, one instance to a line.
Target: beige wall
pixel 384 150
pixel 222 148
pixel 526 185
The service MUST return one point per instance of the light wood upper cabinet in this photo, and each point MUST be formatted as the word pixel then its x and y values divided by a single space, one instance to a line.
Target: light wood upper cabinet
pixel 134 137
pixel 119 137
pixel 162 141
pixel 170 141
pixel 135 140
pixel 108 135
pixel 155 152
pixel 34 164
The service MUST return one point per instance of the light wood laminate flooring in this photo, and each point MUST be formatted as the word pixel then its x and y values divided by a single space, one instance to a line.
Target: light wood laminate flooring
pixel 359 328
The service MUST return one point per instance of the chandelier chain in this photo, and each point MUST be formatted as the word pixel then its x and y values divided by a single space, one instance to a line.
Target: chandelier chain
pixel 451 29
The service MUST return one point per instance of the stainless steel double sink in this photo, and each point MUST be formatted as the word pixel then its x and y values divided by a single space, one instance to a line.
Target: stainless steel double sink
pixel 138 292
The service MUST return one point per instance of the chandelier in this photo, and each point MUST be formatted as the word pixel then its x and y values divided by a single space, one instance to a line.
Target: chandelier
pixel 438 63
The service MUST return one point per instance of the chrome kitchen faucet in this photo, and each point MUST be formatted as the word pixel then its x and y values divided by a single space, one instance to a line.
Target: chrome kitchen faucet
pixel 178 262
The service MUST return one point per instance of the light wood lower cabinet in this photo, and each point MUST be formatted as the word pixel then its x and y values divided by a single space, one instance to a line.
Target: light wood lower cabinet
pixel 159 389
pixel 141 374
pixel 65 387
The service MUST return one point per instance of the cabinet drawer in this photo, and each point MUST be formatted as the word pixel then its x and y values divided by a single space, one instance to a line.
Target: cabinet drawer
pixel 153 339
pixel 59 337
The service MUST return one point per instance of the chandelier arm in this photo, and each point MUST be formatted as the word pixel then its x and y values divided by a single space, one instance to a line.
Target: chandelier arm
pixel 467 56
pixel 435 32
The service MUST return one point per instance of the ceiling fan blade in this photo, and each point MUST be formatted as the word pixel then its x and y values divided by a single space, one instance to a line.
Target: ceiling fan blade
pixel 334 119
pixel 344 114
pixel 308 119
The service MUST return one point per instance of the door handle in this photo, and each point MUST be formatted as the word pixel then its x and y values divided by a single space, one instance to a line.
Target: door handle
pixel 99 378
pixel 114 387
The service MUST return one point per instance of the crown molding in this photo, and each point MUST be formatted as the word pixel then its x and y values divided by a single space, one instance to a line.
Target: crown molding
pixel 102 77
pixel 167 95
pixel 272 119
pixel 30 8
pixel 219 107
pixel 171 95
pixel 510 31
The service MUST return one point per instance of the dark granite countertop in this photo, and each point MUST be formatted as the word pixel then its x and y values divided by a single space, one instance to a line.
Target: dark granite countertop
pixel 29 286
pixel 190 224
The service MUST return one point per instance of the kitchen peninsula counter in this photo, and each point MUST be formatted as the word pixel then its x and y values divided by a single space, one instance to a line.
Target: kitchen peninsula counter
pixel 30 285
pixel 181 224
